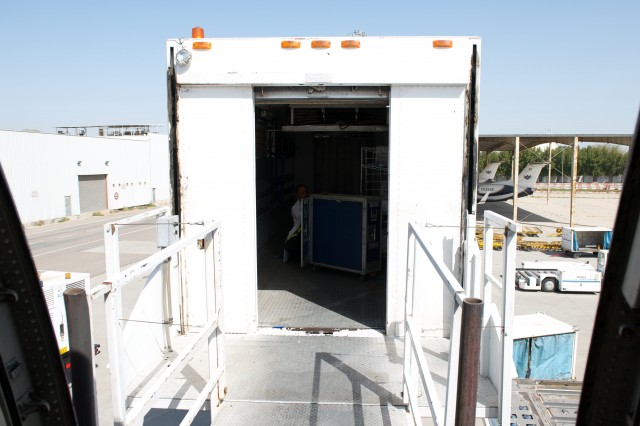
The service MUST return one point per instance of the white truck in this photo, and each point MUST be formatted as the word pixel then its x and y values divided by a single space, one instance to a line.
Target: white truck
pixel 250 118
pixel 563 276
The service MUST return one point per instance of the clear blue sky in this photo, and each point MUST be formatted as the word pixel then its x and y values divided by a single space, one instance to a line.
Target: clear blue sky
pixel 547 66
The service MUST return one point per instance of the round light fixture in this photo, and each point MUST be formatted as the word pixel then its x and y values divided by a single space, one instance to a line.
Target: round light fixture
pixel 183 57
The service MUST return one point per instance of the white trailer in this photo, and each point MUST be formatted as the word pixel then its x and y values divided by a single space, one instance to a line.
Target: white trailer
pixel 563 276
pixel 252 117
pixel 578 240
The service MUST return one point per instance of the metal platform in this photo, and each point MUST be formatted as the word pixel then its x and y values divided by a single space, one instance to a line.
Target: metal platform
pixel 291 296
pixel 325 379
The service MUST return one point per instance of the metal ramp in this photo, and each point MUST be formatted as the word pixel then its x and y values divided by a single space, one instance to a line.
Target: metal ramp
pixel 296 378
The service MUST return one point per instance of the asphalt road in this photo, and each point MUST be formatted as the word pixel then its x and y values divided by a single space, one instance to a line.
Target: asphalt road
pixel 78 245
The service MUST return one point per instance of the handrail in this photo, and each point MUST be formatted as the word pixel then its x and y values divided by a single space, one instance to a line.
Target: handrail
pixel 412 338
pixel 501 319
pixel 128 275
pixel 112 288
pixel 414 356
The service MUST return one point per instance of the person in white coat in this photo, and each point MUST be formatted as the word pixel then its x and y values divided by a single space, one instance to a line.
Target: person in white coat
pixel 292 244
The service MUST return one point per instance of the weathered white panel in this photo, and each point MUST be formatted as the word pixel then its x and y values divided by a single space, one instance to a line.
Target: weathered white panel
pixel 216 140
pixel 159 166
pixel 426 141
pixel 43 169
pixel 379 60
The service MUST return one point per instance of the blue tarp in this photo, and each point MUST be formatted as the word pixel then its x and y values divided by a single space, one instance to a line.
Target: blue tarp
pixel 544 357
pixel 521 356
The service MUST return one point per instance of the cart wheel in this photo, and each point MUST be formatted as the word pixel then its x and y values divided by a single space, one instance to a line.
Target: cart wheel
pixel 361 278
pixel 576 254
pixel 313 268
pixel 548 284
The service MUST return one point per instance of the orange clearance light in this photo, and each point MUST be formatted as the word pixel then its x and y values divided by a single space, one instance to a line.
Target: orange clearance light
pixel 201 45
pixel 320 44
pixel 197 32
pixel 67 275
pixel 350 44
pixel 443 44
pixel 290 44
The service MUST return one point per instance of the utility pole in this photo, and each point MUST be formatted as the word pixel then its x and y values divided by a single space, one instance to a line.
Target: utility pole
pixel 574 175
pixel 516 172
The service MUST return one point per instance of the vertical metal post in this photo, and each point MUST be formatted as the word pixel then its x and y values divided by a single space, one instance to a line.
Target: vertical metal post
pixel 220 352
pixel 454 359
pixel 113 311
pixel 409 380
pixel 81 348
pixel 574 175
pixel 469 360
pixel 487 288
pixel 516 172
pixel 167 317
pixel 508 290
pixel 549 173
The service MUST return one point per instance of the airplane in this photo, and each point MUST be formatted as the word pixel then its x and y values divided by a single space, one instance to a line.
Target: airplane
pixel 488 173
pixel 503 190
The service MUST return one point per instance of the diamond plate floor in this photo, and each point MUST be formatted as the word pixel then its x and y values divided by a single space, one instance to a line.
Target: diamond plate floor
pixel 291 296
pixel 319 380
pixel 333 380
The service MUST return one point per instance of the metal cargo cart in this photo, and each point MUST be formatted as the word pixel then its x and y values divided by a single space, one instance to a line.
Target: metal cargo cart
pixel 343 232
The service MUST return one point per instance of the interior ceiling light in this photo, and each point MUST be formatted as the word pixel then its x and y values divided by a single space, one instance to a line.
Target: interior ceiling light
pixel 183 57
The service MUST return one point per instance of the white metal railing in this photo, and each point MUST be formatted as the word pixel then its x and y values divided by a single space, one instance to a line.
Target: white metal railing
pixel 496 323
pixel 413 353
pixel 206 237
pixel 497 319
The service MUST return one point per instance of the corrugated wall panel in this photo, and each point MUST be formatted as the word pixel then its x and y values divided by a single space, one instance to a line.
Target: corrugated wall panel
pixel 43 169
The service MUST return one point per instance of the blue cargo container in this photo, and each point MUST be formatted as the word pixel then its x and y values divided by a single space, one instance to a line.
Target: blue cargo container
pixel 343 232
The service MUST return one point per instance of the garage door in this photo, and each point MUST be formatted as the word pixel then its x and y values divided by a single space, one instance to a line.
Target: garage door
pixel 93 192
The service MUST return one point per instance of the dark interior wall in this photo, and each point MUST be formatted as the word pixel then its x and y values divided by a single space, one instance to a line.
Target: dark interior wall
pixel 304 160
pixel 336 167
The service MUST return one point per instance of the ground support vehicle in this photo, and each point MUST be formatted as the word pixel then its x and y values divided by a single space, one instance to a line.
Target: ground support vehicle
pixel 563 276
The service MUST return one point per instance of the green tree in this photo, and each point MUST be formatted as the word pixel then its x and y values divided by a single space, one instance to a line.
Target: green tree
pixel 593 161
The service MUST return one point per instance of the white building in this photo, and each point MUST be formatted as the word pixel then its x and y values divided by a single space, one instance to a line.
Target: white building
pixel 58 175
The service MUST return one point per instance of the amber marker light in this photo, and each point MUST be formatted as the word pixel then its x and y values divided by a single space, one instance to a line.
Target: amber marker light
pixel 320 44
pixel 201 45
pixel 197 32
pixel 290 44
pixel 443 44
pixel 350 44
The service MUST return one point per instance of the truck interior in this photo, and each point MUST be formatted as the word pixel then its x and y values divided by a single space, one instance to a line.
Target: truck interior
pixel 335 141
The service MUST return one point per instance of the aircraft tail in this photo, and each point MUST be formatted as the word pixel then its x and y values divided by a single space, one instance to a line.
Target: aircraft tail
pixel 529 174
pixel 489 172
